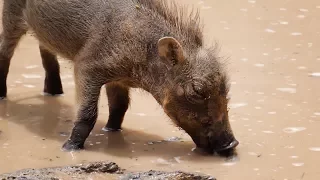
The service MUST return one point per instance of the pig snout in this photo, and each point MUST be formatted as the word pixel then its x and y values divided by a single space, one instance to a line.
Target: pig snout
pixel 224 144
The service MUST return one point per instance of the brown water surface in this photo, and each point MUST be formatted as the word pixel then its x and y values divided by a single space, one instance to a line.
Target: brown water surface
pixel 274 62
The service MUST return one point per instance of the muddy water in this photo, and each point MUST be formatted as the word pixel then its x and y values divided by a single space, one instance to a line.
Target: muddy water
pixel 274 62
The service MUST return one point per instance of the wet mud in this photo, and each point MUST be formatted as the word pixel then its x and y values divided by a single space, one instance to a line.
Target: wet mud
pixel 98 170
pixel 272 50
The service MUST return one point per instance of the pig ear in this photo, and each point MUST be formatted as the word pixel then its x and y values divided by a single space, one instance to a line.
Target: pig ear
pixel 170 50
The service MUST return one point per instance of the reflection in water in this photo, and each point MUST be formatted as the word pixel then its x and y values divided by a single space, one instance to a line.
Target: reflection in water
pixel 315 74
pixel 31 76
pixel 289 90
pixel 297 164
pixel 32 66
pixel 293 129
pixel 315 149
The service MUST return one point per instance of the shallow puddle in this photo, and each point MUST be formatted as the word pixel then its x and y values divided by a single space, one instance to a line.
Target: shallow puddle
pixel 273 55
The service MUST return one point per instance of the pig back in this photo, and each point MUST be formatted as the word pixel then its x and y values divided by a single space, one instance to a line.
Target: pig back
pixel 64 26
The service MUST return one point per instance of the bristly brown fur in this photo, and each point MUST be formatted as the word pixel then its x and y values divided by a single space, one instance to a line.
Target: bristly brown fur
pixel 187 23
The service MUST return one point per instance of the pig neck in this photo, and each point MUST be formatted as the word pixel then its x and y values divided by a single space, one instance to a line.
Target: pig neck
pixel 154 79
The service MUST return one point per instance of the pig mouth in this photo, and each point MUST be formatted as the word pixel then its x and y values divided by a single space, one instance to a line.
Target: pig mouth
pixel 231 145
pixel 228 150
pixel 225 149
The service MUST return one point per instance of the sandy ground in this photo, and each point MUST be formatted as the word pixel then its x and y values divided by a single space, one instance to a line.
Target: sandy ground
pixel 274 63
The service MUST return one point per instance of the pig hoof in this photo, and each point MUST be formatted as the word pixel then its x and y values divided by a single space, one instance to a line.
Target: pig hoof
pixel 71 146
pixel 49 94
pixel 54 90
pixel 107 129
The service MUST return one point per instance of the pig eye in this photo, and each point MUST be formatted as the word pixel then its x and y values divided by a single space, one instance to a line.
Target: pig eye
pixel 194 94
pixel 199 90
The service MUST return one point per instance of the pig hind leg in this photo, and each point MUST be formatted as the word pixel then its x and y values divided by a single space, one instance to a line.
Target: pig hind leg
pixel 118 99
pixel 13 29
pixel 52 83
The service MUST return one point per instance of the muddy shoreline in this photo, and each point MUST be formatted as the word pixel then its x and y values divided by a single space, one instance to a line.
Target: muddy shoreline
pixel 98 170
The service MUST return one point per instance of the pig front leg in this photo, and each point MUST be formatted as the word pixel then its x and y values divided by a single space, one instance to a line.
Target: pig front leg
pixel 118 99
pixel 88 88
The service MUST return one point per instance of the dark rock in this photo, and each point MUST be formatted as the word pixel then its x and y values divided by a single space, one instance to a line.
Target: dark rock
pixel 161 175
pixel 108 169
